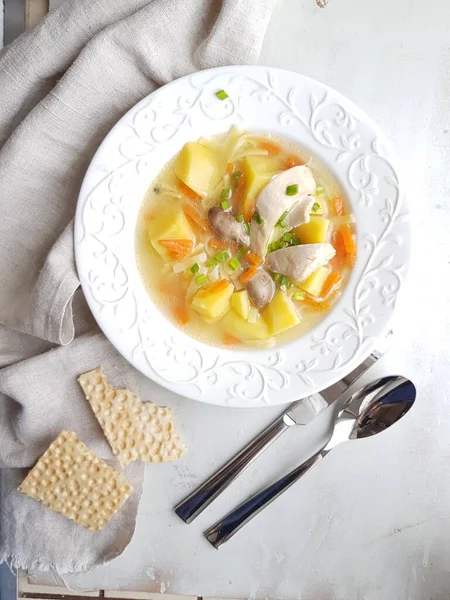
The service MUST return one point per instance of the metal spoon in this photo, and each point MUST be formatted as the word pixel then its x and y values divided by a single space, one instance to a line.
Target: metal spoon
pixel 301 412
pixel 369 411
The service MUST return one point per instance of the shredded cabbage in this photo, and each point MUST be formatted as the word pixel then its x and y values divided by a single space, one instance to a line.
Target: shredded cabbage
pixel 254 152
pixel 193 286
pixel 231 142
pixel 214 274
pixel 187 262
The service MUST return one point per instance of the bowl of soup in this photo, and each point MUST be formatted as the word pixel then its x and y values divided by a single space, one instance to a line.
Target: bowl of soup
pixel 245 239
pixel 242 237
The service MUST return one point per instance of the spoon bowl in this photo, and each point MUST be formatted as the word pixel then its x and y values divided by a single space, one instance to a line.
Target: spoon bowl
pixel 372 409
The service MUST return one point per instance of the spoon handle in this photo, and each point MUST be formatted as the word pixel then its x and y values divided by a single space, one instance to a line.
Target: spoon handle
pixel 225 529
pixel 202 497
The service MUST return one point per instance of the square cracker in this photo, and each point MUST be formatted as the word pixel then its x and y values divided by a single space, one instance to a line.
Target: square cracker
pixel 135 430
pixel 71 480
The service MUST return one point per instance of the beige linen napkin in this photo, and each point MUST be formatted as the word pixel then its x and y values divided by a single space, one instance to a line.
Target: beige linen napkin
pixel 62 86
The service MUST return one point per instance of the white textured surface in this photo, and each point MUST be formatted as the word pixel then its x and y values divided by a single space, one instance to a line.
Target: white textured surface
pixel 372 521
pixel 2 9
pixel 289 105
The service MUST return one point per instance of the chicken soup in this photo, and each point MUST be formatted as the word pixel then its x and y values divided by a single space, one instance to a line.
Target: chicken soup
pixel 244 240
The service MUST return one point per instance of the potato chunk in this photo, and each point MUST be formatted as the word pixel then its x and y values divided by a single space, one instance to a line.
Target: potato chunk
pixel 171 225
pixel 315 282
pixel 198 167
pixel 214 301
pixel 241 303
pixel 238 327
pixel 258 171
pixel 314 232
pixel 280 314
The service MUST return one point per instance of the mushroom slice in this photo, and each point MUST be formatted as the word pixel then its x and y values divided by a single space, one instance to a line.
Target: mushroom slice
pixel 261 288
pixel 299 262
pixel 273 202
pixel 226 227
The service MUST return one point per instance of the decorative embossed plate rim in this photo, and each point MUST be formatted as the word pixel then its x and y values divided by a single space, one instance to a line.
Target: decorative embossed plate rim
pixel 260 98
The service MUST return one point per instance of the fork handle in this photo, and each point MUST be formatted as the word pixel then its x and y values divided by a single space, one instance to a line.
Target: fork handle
pixel 202 497
pixel 226 528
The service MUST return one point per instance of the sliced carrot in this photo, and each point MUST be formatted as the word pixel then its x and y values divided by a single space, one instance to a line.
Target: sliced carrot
pixel 238 192
pixel 217 244
pixel 347 237
pixel 180 313
pixel 316 305
pixel 292 161
pixel 338 205
pixel 188 192
pixel 339 260
pixel 196 216
pixel 270 147
pixel 331 282
pixel 177 248
pixel 249 210
pixel 177 244
pixel 218 286
pixel 350 261
pixel 230 168
pixel 253 259
pixel 249 274
pixel 230 340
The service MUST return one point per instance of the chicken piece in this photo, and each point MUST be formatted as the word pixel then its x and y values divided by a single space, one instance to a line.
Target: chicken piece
pixel 226 227
pixel 300 213
pixel 273 202
pixel 261 288
pixel 299 262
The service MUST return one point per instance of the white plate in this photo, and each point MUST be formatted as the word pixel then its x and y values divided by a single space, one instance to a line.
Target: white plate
pixel 287 104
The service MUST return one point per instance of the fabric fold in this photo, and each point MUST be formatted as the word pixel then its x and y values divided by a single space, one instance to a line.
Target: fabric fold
pixel 63 85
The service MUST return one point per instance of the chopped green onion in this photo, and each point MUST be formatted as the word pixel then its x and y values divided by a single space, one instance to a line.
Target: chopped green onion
pixel 285 281
pixel 274 246
pixel 225 204
pixel 222 95
pixel 287 237
pixel 247 227
pixel 281 221
pixel 236 175
pixel 234 264
pixel 222 256
pixel 292 190
pixel 277 277
pixel 201 279
pixel 257 217
pixel 226 193
pixel 240 218
pixel 195 268
pixel 299 295
pixel 211 262
pixel 315 207
pixel 242 252
pixel 320 189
